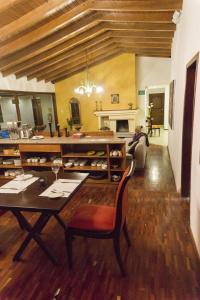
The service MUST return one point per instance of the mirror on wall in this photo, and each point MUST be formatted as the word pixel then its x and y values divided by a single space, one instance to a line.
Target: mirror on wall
pixel 75 112
pixel 1 115
pixel 37 110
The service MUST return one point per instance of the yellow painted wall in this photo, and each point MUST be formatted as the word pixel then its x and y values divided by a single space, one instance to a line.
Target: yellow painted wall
pixel 116 76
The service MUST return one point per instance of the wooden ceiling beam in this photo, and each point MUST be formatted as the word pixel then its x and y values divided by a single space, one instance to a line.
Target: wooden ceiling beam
pixel 50 41
pixel 140 26
pixel 136 47
pixel 47 9
pixel 5 5
pixel 81 67
pixel 147 33
pixel 80 60
pixel 154 55
pixel 143 39
pixel 42 39
pixel 144 45
pixel 45 31
pixel 32 70
pixel 82 64
pixel 11 66
pixel 29 69
pixel 154 17
pixel 21 59
pixel 131 35
pixel 155 5
pixel 44 73
pixel 138 51
pixel 34 16
pixel 72 58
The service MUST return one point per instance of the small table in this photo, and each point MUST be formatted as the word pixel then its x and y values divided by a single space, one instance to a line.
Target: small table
pixel 29 200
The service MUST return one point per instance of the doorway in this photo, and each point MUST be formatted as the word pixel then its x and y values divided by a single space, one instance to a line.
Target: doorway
pixel 187 134
pixel 37 111
pixel 158 108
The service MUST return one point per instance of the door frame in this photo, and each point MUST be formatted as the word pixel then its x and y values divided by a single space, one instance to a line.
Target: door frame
pixel 188 119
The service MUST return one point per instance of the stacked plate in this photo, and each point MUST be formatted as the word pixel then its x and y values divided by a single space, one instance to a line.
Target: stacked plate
pixel 100 163
pixel 76 162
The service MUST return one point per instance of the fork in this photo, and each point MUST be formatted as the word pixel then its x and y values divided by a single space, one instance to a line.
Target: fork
pixel 56 191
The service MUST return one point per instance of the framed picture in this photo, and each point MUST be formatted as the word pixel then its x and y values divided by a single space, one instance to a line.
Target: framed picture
pixel 171 104
pixel 114 98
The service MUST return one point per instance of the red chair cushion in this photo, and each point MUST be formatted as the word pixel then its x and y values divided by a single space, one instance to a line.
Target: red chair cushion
pixel 94 218
pixel 2 212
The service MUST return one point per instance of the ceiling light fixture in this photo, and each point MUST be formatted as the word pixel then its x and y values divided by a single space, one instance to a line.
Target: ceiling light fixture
pixel 87 87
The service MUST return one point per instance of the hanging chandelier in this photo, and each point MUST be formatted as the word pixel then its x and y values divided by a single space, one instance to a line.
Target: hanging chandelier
pixel 87 87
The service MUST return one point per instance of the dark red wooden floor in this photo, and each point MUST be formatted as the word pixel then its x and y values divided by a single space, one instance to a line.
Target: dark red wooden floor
pixel 162 262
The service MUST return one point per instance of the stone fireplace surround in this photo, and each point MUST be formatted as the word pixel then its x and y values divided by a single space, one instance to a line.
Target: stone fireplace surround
pixel 109 118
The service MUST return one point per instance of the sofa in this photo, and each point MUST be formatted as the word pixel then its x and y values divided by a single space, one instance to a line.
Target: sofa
pixel 140 152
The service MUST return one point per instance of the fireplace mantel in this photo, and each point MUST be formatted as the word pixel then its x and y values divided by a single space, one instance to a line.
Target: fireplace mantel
pixel 120 112
pixel 110 117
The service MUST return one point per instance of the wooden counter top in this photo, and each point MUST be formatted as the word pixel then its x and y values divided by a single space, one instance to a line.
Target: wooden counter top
pixel 66 140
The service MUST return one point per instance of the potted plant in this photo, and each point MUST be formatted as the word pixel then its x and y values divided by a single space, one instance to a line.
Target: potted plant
pixel 70 123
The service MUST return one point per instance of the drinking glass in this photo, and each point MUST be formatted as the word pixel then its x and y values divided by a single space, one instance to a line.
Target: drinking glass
pixel 55 167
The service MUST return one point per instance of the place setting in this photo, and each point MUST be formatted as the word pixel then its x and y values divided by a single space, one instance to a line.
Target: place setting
pixel 18 184
pixel 61 187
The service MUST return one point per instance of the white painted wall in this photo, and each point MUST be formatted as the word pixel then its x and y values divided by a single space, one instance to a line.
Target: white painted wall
pixel 22 84
pixel 186 45
pixel 152 73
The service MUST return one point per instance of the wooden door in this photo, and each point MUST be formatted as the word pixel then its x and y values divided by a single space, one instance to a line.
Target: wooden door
pixel 187 134
pixel 158 108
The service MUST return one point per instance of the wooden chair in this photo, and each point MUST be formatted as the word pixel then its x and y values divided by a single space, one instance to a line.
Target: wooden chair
pixel 103 222
pixel 1 212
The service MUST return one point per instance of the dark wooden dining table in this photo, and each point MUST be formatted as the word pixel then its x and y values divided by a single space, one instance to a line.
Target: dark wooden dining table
pixel 30 201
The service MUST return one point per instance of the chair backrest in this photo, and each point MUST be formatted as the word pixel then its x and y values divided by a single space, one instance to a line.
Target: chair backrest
pixel 121 198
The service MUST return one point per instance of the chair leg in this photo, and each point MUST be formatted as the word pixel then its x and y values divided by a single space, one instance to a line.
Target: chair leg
pixel 125 229
pixel 68 239
pixel 118 255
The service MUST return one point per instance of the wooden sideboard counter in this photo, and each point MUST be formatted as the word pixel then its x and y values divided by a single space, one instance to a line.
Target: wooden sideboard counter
pixel 65 140
pixel 103 157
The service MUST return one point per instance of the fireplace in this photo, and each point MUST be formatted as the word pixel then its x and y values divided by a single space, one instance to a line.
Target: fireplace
pixel 122 126
pixel 122 122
